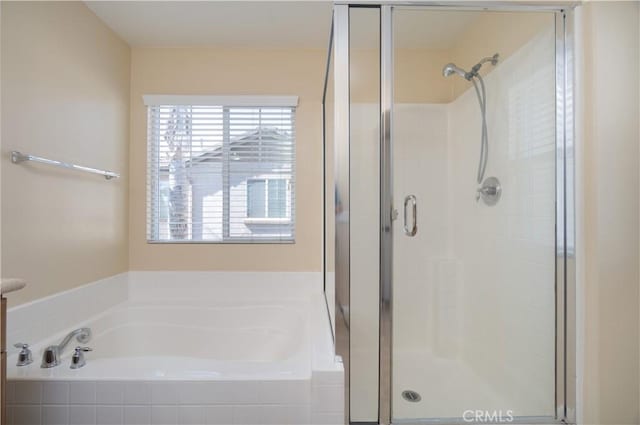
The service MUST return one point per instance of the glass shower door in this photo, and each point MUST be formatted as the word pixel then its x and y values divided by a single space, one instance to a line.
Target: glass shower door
pixel 474 252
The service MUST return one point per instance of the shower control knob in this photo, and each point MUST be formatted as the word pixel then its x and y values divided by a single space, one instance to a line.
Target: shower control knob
pixel 490 191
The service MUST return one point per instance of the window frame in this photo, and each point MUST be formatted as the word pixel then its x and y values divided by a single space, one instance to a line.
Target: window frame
pixel 154 195
pixel 287 201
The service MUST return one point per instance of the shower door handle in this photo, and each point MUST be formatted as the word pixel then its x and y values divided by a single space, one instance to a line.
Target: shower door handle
pixel 410 230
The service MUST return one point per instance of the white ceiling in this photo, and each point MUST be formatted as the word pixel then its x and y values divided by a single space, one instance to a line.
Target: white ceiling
pixel 260 24
pixel 266 24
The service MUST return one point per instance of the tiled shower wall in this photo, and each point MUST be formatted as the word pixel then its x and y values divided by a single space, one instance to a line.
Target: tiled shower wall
pixel 506 253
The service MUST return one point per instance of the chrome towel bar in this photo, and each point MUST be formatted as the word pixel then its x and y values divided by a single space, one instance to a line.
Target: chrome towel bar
pixel 18 157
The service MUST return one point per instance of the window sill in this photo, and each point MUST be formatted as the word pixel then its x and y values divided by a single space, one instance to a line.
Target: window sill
pixel 230 241
pixel 267 221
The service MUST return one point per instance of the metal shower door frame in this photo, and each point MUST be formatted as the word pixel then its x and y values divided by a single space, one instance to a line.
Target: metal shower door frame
pixel 565 284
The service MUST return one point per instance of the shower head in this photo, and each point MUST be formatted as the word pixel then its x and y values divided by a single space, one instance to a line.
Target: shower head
pixel 451 68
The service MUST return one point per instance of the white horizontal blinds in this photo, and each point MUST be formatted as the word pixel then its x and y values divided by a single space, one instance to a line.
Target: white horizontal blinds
pixel 221 173
pixel 261 172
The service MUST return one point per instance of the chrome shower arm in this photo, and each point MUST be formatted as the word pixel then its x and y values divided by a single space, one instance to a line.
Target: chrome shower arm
pixel 493 59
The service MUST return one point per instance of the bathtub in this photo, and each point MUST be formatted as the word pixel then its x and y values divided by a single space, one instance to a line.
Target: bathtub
pixel 181 347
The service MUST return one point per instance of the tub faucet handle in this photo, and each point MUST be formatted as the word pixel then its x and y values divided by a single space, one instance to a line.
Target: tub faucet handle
pixel 51 354
pixel 77 359
pixel 24 357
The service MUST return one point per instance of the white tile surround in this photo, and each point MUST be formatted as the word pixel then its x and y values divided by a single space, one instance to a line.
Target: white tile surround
pixel 316 398
pixel 315 401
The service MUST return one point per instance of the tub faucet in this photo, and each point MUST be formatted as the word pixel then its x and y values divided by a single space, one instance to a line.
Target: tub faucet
pixel 51 355
pixel 77 359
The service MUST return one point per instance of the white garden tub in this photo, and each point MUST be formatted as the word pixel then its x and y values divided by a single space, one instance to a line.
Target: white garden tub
pixel 186 347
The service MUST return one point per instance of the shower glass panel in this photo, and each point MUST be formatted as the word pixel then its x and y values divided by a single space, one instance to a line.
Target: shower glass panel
pixel 474 301
pixel 328 133
pixel 364 195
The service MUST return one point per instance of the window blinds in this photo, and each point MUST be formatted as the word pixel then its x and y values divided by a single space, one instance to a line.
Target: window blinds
pixel 220 172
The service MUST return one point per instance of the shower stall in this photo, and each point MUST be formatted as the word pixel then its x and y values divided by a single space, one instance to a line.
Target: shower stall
pixel 449 232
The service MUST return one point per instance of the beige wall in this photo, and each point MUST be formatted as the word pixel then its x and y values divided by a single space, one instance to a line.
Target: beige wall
pixel 495 32
pixel 608 79
pixel 418 72
pixel 65 95
pixel 417 76
pixel 232 72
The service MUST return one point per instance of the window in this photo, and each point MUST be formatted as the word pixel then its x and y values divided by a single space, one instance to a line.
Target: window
pixel 220 169
pixel 267 198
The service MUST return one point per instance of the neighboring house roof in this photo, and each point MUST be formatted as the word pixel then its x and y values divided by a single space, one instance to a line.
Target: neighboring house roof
pixel 264 138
